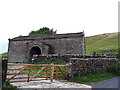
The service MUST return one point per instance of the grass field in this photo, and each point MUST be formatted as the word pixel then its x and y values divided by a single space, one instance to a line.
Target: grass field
pixel 103 43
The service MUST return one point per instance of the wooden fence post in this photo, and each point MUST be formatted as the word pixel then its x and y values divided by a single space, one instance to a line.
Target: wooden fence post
pixel 47 73
pixel 52 71
pixel 28 72
pixel 56 71
pixel 66 71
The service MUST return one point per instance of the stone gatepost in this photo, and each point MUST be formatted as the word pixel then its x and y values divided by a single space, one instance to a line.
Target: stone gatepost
pixel 0 72
pixel 4 72
pixel 70 74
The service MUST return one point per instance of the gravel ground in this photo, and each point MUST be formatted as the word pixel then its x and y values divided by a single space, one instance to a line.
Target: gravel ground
pixel 44 83
pixel 49 84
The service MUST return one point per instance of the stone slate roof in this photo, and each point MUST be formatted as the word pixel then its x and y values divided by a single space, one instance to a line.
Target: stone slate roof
pixel 49 36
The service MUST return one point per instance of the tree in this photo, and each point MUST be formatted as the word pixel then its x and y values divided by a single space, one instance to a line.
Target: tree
pixel 44 30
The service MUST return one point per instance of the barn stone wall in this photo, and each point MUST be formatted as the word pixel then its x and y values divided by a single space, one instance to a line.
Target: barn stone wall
pixel 19 48
pixel 17 51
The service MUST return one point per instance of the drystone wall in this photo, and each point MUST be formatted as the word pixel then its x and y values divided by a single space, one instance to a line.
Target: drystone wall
pixel 109 55
pixel 84 66
pixel 66 58
pixel 81 65
pixel 59 59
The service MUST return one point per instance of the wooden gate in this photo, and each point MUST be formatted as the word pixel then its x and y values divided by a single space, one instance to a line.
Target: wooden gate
pixel 33 72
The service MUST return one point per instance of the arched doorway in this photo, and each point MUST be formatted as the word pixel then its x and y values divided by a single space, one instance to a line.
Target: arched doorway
pixel 34 51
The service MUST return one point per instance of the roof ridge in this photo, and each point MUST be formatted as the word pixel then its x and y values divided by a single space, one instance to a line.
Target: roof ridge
pixel 49 36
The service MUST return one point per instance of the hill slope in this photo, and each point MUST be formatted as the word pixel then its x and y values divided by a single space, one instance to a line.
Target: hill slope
pixel 4 54
pixel 102 43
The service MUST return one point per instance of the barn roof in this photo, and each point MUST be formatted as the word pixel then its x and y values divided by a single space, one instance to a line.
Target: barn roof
pixel 49 36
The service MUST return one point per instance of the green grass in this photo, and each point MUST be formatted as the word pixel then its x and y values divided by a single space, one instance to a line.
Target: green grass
pixel 101 43
pixel 92 78
pixel 119 59
pixel 44 71
pixel 4 54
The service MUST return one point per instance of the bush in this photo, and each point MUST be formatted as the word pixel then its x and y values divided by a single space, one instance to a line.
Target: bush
pixel 118 59
pixel 115 69
pixel 9 86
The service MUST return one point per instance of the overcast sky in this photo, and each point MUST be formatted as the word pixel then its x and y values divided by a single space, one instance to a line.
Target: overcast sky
pixel 19 17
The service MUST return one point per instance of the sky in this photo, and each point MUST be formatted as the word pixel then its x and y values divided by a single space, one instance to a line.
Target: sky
pixel 19 17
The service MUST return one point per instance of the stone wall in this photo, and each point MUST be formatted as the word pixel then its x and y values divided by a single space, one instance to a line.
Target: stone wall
pixel 66 58
pixel 60 59
pixel 17 51
pixel 81 66
pixel 19 47
pixel 109 55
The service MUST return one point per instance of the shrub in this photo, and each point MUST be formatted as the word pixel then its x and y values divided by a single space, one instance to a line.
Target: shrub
pixel 9 86
pixel 118 59
pixel 115 69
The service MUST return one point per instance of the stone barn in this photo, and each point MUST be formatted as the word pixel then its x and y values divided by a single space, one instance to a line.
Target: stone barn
pixel 23 48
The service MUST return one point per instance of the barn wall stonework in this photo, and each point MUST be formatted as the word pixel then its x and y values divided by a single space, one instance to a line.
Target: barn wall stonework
pixel 17 51
pixel 60 44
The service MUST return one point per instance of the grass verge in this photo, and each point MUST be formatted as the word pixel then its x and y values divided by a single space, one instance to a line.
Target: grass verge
pixel 92 78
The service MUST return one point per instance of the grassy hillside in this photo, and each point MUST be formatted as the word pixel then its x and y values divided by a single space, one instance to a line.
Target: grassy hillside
pixel 103 43
pixel 4 54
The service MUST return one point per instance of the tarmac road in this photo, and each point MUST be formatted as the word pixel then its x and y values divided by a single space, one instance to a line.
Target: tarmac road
pixel 110 83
